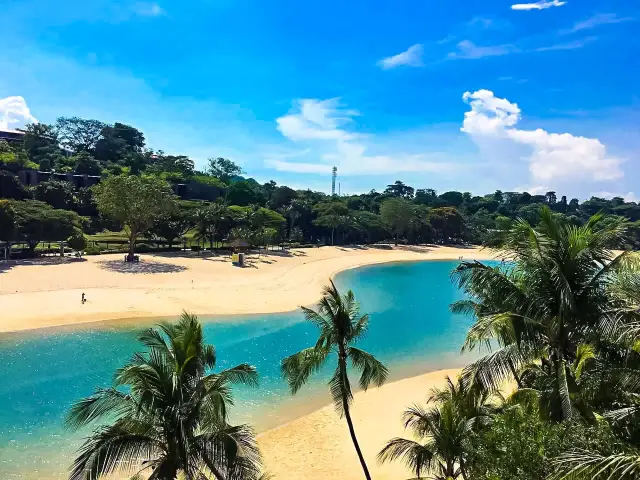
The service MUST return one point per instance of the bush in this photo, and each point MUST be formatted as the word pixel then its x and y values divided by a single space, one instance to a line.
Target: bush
pixel 93 249
pixel 77 241
pixel 519 445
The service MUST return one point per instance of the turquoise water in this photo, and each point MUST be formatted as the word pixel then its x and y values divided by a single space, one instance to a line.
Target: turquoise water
pixel 43 372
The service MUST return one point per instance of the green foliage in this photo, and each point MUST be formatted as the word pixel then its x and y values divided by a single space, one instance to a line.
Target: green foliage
pixel 244 193
pixel 520 445
pixel 172 225
pixel 77 241
pixel 7 221
pixel 10 187
pixel 85 164
pixel 56 193
pixel 224 169
pixel 78 134
pixel 397 213
pixel 134 201
pixel 36 221
pixel 331 215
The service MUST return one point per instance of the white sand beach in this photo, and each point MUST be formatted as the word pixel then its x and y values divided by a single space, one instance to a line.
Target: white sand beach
pixel 47 292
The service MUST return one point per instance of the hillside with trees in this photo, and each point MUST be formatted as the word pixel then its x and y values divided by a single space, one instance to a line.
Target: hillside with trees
pixel 174 204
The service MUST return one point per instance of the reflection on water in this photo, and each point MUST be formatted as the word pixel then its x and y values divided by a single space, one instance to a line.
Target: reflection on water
pixel 43 372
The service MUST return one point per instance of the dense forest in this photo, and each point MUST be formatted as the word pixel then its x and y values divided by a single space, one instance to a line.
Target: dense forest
pixel 219 203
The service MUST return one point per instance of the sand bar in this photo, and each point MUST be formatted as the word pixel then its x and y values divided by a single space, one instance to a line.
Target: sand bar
pixel 46 293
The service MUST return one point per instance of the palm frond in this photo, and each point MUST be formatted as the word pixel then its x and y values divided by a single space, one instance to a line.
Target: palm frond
pixel 297 368
pixel 372 370
pixel 418 458
pixel 584 465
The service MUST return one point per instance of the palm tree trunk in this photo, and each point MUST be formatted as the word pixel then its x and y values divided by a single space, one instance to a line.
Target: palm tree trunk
pixel 515 374
pixel 352 432
pixel 563 387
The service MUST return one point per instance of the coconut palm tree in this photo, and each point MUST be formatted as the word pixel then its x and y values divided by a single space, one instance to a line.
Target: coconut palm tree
pixel 592 466
pixel 340 327
pixel 444 431
pixel 167 414
pixel 560 291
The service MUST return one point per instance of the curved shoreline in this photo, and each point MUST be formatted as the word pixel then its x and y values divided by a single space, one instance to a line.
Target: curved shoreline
pixel 36 296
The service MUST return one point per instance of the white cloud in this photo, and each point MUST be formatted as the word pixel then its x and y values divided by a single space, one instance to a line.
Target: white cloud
pixel 411 57
pixel 628 197
pixel 541 5
pixel 596 21
pixel 14 113
pixel 325 124
pixel 146 9
pixel 568 45
pixel 553 156
pixel 468 50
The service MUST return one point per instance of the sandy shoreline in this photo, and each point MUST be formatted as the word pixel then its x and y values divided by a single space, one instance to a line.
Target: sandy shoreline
pixel 38 294
pixel 318 445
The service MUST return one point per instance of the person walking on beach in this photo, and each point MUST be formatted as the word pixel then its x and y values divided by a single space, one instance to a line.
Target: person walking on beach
pixel 83 298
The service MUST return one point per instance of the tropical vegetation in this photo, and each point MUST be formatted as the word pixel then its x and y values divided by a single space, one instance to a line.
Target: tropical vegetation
pixel 167 413
pixel 95 152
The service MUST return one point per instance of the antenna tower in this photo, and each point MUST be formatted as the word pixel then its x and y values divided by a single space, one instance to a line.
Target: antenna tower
pixel 334 174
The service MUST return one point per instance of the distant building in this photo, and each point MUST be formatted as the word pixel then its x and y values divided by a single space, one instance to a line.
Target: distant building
pixel 34 177
pixel 11 135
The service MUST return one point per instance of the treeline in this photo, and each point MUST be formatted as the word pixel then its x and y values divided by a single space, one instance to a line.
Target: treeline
pixel 223 204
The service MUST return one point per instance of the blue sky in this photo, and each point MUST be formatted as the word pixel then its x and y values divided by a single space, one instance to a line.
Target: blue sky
pixel 474 95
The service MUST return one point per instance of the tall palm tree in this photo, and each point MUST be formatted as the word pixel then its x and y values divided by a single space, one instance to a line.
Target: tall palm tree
pixel 559 292
pixel 444 430
pixel 167 414
pixel 340 327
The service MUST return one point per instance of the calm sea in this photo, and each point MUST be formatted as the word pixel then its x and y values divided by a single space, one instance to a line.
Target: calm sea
pixel 43 372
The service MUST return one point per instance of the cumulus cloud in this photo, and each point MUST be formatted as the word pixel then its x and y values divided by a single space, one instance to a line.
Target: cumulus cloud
pixel 328 127
pixel 14 113
pixel 412 57
pixel 541 5
pixel 468 50
pixel 553 156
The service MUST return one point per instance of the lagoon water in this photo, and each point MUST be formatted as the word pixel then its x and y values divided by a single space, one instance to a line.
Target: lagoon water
pixel 43 372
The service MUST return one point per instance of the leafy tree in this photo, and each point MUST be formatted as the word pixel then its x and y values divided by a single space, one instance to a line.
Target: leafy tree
pixel 447 223
pixel 7 221
pixel 77 241
pixel 118 140
pixel 372 225
pixel 559 293
pixel 78 134
pixel 10 187
pixel 167 413
pixel 208 220
pixel 244 193
pixel 134 201
pixel 452 199
pixel 40 142
pixel 56 193
pixel 426 196
pixel 172 225
pixel 340 328
pixel 224 169
pixel 36 221
pixel 85 164
pixel 399 189
pixel 397 213
pixel 282 197
pixel 331 215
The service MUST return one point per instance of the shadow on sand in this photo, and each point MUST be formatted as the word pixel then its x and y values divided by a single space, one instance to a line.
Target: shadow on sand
pixel 144 266
pixel 40 261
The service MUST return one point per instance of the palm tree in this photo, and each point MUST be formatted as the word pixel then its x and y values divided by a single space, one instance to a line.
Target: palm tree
pixel 340 326
pixel 167 413
pixel 444 429
pixel 559 292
